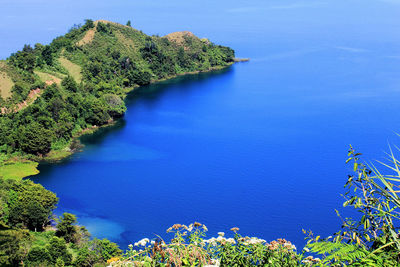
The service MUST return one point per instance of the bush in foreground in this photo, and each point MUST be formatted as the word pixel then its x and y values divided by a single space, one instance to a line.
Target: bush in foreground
pixel 372 239
pixel 189 247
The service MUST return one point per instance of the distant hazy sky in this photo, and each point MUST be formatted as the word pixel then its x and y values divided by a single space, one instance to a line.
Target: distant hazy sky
pixel 224 21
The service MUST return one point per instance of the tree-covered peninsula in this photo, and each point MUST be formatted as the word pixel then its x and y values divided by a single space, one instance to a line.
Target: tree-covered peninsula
pixel 53 93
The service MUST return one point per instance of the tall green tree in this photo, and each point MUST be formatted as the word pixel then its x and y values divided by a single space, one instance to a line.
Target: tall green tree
pixel 13 246
pixel 38 256
pixel 30 205
pixel 105 248
pixel 66 227
pixel 68 83
pixel 57 249
pixel 34 138
pixel 47 55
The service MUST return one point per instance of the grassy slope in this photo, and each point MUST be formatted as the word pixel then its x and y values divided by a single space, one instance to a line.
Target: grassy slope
pixel 18 170
pixel 6 82
pixel 47 77
pixel 73 69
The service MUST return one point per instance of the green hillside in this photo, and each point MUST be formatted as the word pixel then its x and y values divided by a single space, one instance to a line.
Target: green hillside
pixel 51 93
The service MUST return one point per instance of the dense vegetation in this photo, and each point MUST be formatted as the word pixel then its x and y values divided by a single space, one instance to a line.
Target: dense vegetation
pixel 28 236
pixel 82 79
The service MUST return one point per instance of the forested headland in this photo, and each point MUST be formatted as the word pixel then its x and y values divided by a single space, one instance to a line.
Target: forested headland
pixel 53 93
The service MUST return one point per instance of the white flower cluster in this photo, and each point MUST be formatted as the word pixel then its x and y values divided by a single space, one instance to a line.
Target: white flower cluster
pixel 280 243
pixel 191 227
pixel 254 241
pixel 142 242
pixel 311 259
pixel 214 263
pixel 213 241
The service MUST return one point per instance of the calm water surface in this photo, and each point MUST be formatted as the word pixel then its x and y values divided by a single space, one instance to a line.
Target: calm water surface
pixel 260 145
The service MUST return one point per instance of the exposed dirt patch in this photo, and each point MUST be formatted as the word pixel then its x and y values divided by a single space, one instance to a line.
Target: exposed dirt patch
pixel 89 35
pixel 179 37
pixel 88 38
pixel 48 78
pixel 33 95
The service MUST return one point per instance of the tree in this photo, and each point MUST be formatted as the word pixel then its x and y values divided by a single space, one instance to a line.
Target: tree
pixel 86 257
pixel 139 77
pixel 104 27
pixel 38 256
pixel 60 262
pixel 12 246
pixel 58 250
pixel 66 227
pixel 19 92
pixel 51 91
pixel 35 139
pixel 116 107
pixel 105 248
pixel 5 130
pixel 128 23
pixel 88 24
pixel 30 204
pixel 69 84
pixel 47 55
pixel 24 59
pixel 96 112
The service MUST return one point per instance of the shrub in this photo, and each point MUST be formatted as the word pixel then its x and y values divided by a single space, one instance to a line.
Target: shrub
pixel 66 227
pixel 57 248
pixel 373 239
pixel 38 256
pixel 189 247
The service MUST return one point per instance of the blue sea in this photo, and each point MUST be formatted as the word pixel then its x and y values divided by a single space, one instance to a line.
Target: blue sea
pixel 260 145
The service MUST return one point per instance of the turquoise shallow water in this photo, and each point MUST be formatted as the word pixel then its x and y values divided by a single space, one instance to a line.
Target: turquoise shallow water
pixel 261 145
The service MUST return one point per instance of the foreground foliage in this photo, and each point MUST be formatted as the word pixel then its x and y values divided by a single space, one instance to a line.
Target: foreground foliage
pixel 30 235
pixel 373 238
pixel 189 247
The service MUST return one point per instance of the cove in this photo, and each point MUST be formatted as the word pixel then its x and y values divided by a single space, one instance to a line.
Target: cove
pixel 260 145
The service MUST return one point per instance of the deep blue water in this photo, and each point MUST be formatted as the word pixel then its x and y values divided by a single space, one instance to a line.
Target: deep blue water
pixel 261 145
